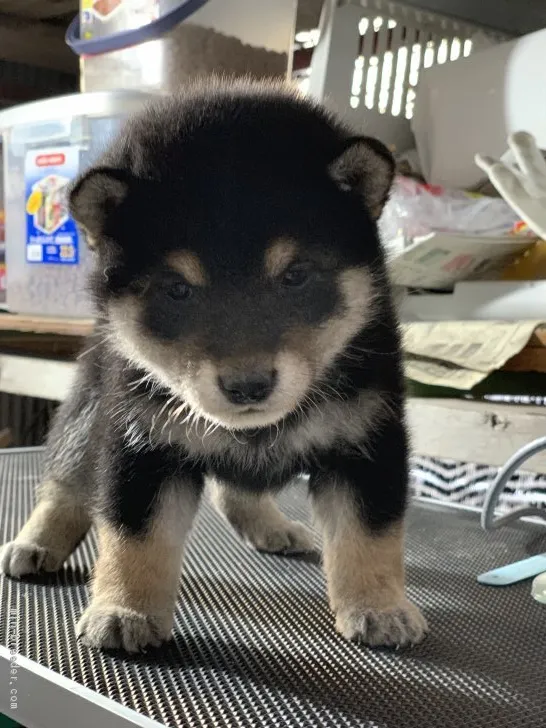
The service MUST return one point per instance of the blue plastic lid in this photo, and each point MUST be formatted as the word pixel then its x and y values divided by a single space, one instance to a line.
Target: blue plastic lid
pixel 128 38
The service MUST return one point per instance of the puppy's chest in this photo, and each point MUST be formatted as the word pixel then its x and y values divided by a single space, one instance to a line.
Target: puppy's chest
pixel 283 449
pixel 268 451
pixel 149 425
pixel 320 428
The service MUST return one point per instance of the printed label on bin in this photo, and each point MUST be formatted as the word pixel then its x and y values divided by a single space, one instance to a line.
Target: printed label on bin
pixel 52 235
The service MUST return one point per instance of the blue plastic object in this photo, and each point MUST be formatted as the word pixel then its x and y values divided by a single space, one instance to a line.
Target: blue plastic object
pixel 512 573
pixel 128 38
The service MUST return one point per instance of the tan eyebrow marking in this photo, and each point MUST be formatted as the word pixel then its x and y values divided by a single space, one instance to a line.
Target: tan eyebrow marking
pixel 188 264
pixel 279 255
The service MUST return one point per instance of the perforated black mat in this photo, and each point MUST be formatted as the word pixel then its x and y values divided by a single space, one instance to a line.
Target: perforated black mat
pixel 255 644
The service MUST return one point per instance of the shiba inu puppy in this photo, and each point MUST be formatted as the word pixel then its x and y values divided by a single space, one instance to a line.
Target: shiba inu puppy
pixel 245 335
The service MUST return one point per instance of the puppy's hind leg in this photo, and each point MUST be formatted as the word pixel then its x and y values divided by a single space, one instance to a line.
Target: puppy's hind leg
pixel 61 517
pixel 258 520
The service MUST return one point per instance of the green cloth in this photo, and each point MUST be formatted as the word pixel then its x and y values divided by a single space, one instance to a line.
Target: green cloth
pixel 6 722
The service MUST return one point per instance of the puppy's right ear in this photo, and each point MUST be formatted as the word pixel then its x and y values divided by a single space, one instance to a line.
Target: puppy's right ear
pixel 96 197
pixel 365 167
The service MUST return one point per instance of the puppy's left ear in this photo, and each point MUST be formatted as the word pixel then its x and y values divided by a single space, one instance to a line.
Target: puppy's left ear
pixel 366 167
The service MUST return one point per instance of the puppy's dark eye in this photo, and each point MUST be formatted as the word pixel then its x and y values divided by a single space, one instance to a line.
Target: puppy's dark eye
pixel 296 276
pixel 179 291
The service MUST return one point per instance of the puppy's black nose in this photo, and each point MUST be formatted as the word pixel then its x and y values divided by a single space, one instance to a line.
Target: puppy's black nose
pixel 248 388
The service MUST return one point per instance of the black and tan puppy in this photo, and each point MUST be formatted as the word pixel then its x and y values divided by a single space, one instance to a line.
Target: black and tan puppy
pixel 246 335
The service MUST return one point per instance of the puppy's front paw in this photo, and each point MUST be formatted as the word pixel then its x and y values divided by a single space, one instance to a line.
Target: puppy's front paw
pixel 20 559
pixel 399 625
pixel 110 627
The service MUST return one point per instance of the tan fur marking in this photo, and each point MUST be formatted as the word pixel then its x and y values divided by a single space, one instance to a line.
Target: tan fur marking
pixel 89 239
pixel 279 255
pixel 57 522
pixel 361 568
pixel 188 265
pixel 357 288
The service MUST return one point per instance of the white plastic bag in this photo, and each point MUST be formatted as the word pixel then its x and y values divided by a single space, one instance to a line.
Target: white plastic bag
pixel 415 209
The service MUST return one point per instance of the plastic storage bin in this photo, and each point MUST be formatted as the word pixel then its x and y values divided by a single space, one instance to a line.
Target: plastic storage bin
pixel 144 44
pixel 45 145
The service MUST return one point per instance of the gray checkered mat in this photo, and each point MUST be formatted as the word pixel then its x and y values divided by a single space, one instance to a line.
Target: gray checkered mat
pixel 255 645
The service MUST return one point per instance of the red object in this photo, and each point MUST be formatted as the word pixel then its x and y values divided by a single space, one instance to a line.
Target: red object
pixel 50 160
pixel 435 190
pixel 458 263
pixel 105 7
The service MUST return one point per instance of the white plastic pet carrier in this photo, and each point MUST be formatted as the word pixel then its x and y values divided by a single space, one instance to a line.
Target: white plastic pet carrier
pixel 369 55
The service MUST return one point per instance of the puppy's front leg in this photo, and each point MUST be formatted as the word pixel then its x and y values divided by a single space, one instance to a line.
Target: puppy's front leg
pixel 137 573
pixel 360 503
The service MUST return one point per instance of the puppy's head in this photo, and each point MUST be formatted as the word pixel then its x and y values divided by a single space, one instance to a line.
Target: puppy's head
pixel 236 247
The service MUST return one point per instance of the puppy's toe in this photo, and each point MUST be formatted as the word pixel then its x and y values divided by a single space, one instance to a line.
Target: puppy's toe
pixel 110 627
pixel 290 537
pixel 20 559
pixel 397 626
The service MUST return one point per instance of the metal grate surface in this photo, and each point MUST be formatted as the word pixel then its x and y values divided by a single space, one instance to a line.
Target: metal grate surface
pixel 255 643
